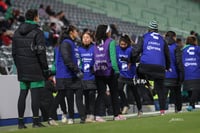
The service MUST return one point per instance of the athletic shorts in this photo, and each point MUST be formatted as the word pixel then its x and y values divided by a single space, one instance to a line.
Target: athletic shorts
pixel 31 85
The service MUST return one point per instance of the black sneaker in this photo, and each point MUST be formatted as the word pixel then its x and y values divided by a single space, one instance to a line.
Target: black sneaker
pixel 37 125
pixel 22 126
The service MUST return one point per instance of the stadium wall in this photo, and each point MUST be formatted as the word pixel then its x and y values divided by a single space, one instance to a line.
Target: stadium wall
pixel 8 101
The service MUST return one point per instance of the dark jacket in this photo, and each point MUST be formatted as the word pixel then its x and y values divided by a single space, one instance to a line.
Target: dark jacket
pixel 29 53
pixel 66 60
pixel 175 76
pixel 67 65
pixel 151 71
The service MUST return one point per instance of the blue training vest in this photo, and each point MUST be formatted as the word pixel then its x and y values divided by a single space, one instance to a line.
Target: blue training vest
pixel 173 73
pixel 153 49
pixel 62 71
pixel 191 61
pixel 87 61
pixel 125 70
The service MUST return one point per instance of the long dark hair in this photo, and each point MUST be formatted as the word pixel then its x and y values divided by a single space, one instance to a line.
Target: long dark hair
pixel 65 33
pixel 101 33
pixel 125 38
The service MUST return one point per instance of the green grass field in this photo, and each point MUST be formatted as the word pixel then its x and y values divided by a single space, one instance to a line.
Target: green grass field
pixel 187 122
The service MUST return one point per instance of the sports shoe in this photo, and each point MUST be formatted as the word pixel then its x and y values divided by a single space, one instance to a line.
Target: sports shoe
pixel 162 112
pixel 64 118
pixel 52 122
pixel 70 121
pixel 99 119
pixel 189 108
pixel 139 113
pixel 38 125
pixel 90 119
pixel 22 126
pixel 125 110
pixel 119 118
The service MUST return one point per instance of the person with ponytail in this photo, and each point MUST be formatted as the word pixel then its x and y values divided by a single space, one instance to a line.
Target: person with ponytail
pixel 127 73
pixel 68 74
pixel 106 72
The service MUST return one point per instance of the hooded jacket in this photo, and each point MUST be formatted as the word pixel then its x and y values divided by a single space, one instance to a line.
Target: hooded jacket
pixel 29 52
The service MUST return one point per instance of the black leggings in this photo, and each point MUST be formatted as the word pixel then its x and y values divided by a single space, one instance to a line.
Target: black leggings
pixel 58 99
pixel 159 87
pixel 175 92
pixel 35 102
pixel 90 96
pixel 123 97
pixel 194 97
pixel 100 101
pixel 69 93
pixel 63 105
pixel 136 95
pixel 79 102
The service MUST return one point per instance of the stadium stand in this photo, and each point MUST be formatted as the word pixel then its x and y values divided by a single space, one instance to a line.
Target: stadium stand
pixel 130 16
pixel 178 15
pixel 6 60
